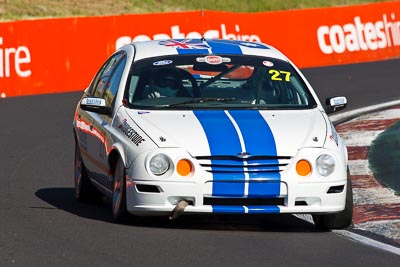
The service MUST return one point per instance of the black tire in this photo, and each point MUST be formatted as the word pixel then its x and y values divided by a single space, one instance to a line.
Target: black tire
pixel 84 189
pixel 340 220
pixel 119 211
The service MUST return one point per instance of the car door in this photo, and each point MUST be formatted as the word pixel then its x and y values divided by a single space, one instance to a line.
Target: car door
pixel 105 85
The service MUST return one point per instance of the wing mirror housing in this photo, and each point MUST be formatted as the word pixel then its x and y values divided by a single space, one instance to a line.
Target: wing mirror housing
pixel 95 104
pixel 336 103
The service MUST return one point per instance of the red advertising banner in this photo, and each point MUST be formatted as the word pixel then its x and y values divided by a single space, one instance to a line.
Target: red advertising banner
pixel 61 55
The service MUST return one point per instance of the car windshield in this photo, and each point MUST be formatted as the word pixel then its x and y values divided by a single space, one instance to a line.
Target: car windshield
pixel 216 82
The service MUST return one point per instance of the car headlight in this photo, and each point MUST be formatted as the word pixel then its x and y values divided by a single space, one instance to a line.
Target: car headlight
pixel 159 164
pixel 325 164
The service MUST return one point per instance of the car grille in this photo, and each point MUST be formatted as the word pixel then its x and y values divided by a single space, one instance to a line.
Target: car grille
pixel 236 165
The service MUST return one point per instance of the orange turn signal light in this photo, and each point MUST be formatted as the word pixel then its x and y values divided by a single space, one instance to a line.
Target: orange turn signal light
pixel 303 167
pixel 184 167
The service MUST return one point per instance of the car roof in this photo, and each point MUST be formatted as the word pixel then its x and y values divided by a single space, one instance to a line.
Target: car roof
pixel 155 48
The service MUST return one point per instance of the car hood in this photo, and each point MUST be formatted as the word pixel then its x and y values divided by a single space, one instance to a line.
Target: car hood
pixel 234 132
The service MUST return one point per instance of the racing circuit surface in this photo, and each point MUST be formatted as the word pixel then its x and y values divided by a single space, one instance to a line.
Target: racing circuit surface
pixel 42 224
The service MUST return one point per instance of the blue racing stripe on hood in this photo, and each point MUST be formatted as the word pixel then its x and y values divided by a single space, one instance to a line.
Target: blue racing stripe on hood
pixel 259 141
pixel 224 131
pixel 257 134
pixel 223 140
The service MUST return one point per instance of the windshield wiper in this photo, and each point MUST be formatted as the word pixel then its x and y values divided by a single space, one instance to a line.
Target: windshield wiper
pixel 203 100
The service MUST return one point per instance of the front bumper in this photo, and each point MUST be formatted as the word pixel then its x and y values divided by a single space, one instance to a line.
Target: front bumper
pixel 313 194
pixel 160 198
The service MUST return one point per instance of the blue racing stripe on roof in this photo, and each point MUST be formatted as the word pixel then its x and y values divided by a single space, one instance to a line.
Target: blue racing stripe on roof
pixel 224 48
pixel 201 47
pixel 241 43
pixel 259 141
pixel 223 140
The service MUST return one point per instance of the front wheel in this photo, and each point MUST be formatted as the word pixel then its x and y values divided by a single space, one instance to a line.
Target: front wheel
pixel 340 220
pixel 119 210
pixel 84 190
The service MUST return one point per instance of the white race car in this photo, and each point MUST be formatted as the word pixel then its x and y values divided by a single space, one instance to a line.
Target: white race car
pixel 209 126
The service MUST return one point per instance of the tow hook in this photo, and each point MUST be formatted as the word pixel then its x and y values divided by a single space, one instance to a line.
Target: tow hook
pixel 179 209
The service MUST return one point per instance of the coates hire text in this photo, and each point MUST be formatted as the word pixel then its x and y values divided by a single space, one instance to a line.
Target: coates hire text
pixel 177 34
pixel 358 36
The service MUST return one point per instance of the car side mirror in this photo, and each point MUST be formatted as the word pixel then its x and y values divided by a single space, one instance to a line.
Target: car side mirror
pixel 334 104
pixel 95 104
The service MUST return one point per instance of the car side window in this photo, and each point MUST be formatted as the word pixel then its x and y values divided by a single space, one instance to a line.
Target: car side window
pixel 113 83
pixel 99 83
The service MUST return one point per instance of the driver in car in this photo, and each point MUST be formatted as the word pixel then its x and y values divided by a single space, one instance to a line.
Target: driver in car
pixel 166 83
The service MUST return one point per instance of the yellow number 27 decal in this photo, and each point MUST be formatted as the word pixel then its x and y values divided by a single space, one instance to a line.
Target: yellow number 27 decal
pixel 279 75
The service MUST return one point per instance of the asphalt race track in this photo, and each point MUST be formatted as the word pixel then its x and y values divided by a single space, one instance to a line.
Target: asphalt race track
pixel 362 84
pixel 42 225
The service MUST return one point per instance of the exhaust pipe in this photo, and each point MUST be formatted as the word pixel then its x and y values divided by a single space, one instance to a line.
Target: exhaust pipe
pixel 179 209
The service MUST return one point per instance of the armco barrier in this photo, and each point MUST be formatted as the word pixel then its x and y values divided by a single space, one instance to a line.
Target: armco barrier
pixel 60 55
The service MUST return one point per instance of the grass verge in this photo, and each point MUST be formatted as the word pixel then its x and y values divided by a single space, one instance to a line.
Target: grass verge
pixel 384 156
pixel 28 9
